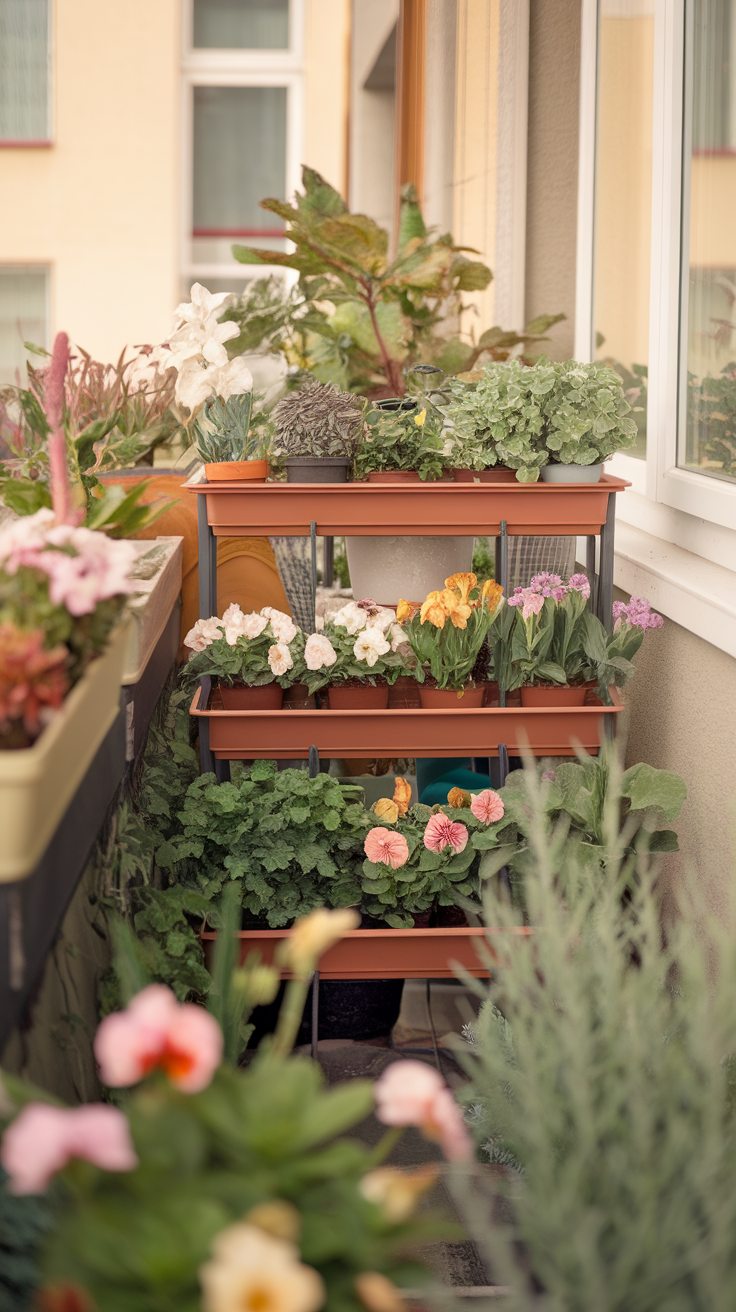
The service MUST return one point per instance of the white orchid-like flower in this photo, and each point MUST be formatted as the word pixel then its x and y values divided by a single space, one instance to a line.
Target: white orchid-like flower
pixel 280 658
pixel 197 381
pixel 282 626
pixel 351 617
pixel 197 351
pixel 203 633
pixel 369 645
pixel 203 304
pixel 319 652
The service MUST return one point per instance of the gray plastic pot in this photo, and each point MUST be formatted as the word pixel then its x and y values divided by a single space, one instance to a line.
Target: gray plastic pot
pixel 571 473
pixel 318 469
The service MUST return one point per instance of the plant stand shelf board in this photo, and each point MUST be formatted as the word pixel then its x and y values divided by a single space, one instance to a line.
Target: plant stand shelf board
pixel 142 695
pixel 289 735
pixel 385 953
pixel 32 909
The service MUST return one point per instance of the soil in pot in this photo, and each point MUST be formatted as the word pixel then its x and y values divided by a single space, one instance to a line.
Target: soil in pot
pixel 446 699
pixel 564 695
pixel 354 695
pixel 318 469
pixel 247 697
pixel 348 1009
pixel 230 471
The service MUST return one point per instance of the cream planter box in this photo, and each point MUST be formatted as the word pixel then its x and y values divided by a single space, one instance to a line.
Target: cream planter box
pixel 37 783
pixel 152 605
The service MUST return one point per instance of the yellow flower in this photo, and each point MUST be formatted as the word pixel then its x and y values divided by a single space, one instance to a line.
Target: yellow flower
pixel 277 1218
pixel 462 583
pixel 397 1192
pixel 387 809
pixel 250 1271
pixel 492 593
pixel 433 610
pixel 458 611
pixel 378 1293
pixel 402 794
pixel 458 797
pixel 260 983
pixel 406 610
pixel 420 418
pixel 313 935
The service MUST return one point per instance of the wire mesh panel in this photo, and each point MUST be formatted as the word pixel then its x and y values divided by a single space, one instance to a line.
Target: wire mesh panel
pixel 294 564
pixel 535 555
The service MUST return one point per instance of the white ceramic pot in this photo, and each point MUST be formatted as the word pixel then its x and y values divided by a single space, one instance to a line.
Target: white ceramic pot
pixel 571 473
pixel 388 569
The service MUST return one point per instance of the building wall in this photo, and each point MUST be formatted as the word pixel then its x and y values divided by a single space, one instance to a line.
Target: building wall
pixel 552 168
pixel 326 89
pixel 372 113
pixel 476 126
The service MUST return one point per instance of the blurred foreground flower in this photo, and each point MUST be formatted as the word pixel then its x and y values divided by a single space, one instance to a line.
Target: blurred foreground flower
pixel 33 682
pixel 378 1293
pixel 398 1192
pixel 314 934
pixel 250 1271
pixel 157 1031
pixel 42 1139
pixel 411 1093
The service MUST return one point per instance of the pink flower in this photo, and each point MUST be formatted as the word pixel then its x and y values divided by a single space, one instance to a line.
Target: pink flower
pixel 637 613
pixel 83 567
pixel 384 847
pixel 487 806
pixel 157 1031
pixel 442 832
pixel 533 603
pixel 282 625
pixel 580 583
pixel 412 1093
pixel 544 583
pixel 319 652
pixel 42 1139
pixel 558 594
pixel 203 633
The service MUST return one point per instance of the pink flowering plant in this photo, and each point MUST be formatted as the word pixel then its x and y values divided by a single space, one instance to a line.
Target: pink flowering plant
pixel 206 1184
pixel 362 641
pixel 262 647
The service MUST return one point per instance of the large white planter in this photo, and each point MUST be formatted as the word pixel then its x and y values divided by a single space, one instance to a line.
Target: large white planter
pixel 388 569
pixel 37 783
pixel 152 605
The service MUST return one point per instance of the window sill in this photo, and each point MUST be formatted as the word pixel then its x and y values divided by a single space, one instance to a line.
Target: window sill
pixel 40 144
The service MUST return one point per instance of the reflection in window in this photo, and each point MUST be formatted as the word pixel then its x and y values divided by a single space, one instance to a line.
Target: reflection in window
pixel 241 24
pixel 624 197
pixel 23 317
pixel 239 159
pixel 24 70
pixel 708 378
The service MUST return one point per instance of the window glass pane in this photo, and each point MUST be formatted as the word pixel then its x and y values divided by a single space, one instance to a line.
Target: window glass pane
pixel 708 378
pixel 245 24
pixel 22 318
pixel 624 197
pixel 239 160
pixel 24 70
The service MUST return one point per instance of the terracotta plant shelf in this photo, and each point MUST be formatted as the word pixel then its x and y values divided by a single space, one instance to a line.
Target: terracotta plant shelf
pixel 384 953
pixel 288 735
pixel 385 509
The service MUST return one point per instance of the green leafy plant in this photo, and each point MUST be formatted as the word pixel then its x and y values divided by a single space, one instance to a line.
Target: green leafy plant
pixel 249 649
pixel 405 437
pixel 362 641
pixel 317 420
pixel 222 430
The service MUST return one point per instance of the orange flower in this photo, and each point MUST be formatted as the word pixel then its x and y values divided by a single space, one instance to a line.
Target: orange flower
pixel 406 610
pixel 462 583
pixel 433 609
pixel 492 593
pixel 458 797
pixel 458 611
pixel 402 794
pixel 386 808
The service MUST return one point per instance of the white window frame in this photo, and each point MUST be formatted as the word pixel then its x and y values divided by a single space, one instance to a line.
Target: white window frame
pixel 240 68
pixel 677 528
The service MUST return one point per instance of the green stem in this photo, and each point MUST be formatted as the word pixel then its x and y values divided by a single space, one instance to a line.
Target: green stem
pixel 386 1145
pixel 290 1016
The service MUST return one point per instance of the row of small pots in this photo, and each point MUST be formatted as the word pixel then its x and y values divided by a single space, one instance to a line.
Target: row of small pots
pixel 357 696
pixel 335 469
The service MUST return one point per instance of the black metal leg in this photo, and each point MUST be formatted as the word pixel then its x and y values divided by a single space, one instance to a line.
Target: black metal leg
pixel 315 1015
pixel 329 554
pixel 605 580
pixel 222 771
pixel 591 572
pixel 502 558
pixel 206 757
pixel 313 763
pixel 313 543
pixel 207 562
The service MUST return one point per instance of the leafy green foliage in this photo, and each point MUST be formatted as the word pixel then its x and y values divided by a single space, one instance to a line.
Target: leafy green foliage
pixel 317 420
pixel 247 660
pixel 407 438
pixel 222 430
pixel 23 1223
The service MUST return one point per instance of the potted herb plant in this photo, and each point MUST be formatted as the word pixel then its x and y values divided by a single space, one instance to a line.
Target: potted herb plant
pixel 356 657
pixel 253 657
pixel 446 635
pixel 316 431
pixel 229 450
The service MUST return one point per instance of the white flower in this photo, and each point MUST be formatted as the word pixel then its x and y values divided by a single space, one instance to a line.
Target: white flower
pixel 253 625
pixel 203 305
pixel 396 636
pixel 282 626
pixel 369 645
pixel 232 613
pixel 279 658
pixel 203 633
pixel 196 381
pixel 251 1271
pixel 351 617
pixel 382 619
pixel 319 652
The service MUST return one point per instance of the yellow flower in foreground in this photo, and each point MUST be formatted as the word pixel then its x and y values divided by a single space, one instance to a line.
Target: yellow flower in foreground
pixel 406 610
pixel 462 583
pixel 252 1272
pixel 397 1192
pixel 492 593
pixel 277 1218
pixel 420 418
pixel 402 794
pixel 433 610
pixel 458 797
pixel 387 809
pixel 458 611
pixel 377 1293
pixel 314 934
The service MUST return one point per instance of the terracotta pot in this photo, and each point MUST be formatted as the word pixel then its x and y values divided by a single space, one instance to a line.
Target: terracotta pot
pixel 297 698
pixel 394 476
pixel 499 474
pixel 358 697
pixel 564 695
pixel 247 697
pixel 464 475
pixel 404 694
pixel 231 471
pixel 437 699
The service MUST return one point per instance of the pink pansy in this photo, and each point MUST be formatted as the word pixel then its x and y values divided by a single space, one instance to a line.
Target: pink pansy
pixel 487 806
pixel 157 1031
pixel 385 847
pixel 412 1093
pixel 282 625
pixel 42 1139
pixel 442 832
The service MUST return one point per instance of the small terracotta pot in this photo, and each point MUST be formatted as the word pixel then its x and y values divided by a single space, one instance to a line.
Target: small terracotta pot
pixel 464 475
pixel 436 699
pixel 234 471
pixel 358 697
pixel 564 695
pixel 404 694
pixel 250 697
pixel 499 474
pixel 394 476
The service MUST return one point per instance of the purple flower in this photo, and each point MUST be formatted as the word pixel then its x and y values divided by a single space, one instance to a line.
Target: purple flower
pixel 580 583
pixel 558 594
pixel 638 614
pixel 548 776
pixel 517 599
pixel 544 583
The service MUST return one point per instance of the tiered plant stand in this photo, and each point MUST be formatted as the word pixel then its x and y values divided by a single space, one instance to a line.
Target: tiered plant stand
pixel 415 509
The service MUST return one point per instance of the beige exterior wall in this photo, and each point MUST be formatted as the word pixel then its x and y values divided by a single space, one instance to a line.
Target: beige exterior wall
pixel 326 88
pixel 372 114
pixel 476 126
pixel 101 206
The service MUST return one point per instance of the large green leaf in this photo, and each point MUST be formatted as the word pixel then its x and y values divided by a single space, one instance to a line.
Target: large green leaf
pixel 470 275
pixel 352 317
pixel 648 787
pixel 411 223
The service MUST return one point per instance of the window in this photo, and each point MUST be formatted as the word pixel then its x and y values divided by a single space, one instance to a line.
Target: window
pixel 23 317
pixel 243 89
pixel 24 72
